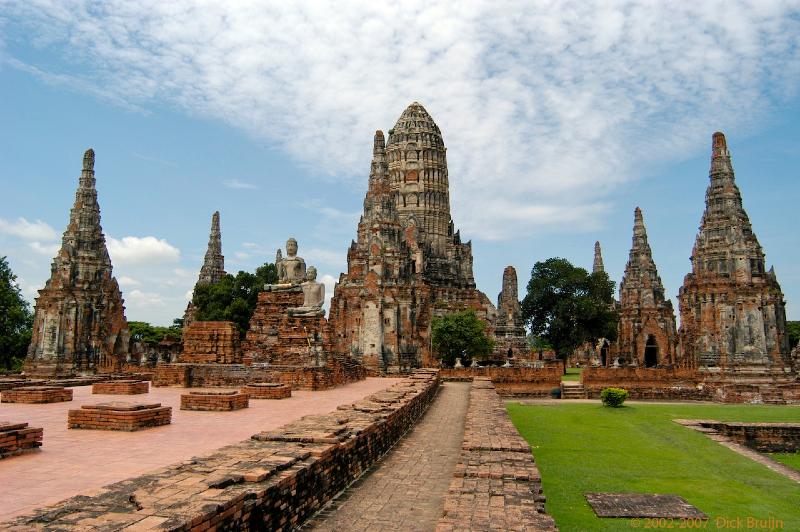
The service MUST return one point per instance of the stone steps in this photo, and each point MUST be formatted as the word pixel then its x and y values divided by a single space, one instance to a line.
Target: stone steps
pixel 573 390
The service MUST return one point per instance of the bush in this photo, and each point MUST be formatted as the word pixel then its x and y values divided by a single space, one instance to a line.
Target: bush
pixel 613 396
pixel 555 393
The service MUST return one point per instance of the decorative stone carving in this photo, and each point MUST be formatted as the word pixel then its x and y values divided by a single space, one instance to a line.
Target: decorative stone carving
pixel 733 319
pixel 79 319
pixel 213 269
pixel 313 297
pixel 408 263
pixel 292 269
pixel 647 335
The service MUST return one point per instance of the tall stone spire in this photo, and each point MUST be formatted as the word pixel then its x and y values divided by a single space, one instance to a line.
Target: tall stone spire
pixel 79 323
pixel 732 309
pixel 213 268
pixel 647 320
pixel 510 338
pixel 597 265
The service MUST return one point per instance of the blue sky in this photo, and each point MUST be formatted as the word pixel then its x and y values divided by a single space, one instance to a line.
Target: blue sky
pixel 559 120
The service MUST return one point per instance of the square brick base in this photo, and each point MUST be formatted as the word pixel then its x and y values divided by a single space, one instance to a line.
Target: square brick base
pixel 18 438
pixel 267 390
pixel 37 395
pixel 121 387
pixel 120 416
pixel 217 401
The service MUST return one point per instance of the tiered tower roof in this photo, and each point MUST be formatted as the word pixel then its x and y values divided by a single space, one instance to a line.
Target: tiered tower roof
pixel 641 285
pixel 213 268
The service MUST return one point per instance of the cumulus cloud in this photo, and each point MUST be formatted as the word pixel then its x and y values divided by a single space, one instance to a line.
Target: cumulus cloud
pixel 545 107
pixel 329 281
pixel 237 184
pixel 126 281
pixel 139 250
pixel 144 300
pixel 22 228
pixel 48 250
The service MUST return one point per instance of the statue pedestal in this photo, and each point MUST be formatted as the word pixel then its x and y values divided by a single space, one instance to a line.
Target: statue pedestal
pixel 277 338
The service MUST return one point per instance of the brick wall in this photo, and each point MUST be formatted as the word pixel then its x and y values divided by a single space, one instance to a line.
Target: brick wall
pixel 37 394
pixel 211 342
pixel 763 437
pixel 274 481
pixel 496 484
pixel 121 387
pixel 18 438
pixel 214 401
pixel 513 381
pixel 648 383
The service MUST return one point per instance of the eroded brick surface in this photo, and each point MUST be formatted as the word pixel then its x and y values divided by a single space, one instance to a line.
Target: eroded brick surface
pixel 666 506
pixel 37 395
pixel 18 438
pixel 121 387
pixel 496 485
pixel 214 400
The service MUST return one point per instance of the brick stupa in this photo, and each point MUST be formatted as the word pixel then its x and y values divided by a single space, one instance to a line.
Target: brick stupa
pixel 79 320
pixel 213 269
pixel 408 263
pixel 733 320
pixel 510 338
pixel 647 335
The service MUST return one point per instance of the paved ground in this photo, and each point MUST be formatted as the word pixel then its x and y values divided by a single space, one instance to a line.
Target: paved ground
pixel 76 461
pixel 405 491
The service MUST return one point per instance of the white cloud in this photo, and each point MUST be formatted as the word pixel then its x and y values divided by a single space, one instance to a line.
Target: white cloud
pixel 329 281
pixel 327 257
pixel 250 245
pixel 544 106
pixel 144 300
pixel 140 250
pixel 128 281
pixel 241 255
pixel 48 250
pixel 235 183
pixel 22 228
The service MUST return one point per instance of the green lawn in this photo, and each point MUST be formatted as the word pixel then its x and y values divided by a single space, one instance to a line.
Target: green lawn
pixel 573 374
pixel 584 448
pixel 789 459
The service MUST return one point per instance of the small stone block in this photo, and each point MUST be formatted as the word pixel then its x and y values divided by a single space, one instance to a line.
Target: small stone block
pixel 642 505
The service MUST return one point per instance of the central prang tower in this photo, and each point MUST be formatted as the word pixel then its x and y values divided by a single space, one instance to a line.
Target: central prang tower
pixel 408 263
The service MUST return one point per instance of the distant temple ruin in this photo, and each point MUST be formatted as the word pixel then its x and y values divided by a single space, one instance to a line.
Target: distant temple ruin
pixel 511 340
pixel 213 269
pixel 79 319
pixel 646 333
pixel 733 319
pixel 408 263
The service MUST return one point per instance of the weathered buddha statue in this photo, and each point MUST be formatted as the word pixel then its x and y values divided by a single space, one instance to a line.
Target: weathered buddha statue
pixel 313 296
pixel 291 269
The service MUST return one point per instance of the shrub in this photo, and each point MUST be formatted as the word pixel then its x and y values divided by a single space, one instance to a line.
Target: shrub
pixel 613 396
pixel 555 393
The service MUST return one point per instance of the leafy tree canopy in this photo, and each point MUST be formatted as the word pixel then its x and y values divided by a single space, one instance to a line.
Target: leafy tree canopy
pixel 233 298
pixel 566 306
pixel 16 320
pixel 793 329
pixel 142 331
pixel 461 334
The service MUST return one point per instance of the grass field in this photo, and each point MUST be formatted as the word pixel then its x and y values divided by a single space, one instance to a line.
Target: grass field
pixel 584 448
pixel 790 459
pixel 573 374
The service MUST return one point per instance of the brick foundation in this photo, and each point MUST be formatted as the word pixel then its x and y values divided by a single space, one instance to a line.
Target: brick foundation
pixel 763 437
pixel 234 375
pixel 267 390
pixel 211 342
pixel 648 383
pixel 119 415
pixel 274 481
pixel 121 387
pixel 19 438
pixel 216 401
pixel 513 381
pixel 496 484
pixel 37 395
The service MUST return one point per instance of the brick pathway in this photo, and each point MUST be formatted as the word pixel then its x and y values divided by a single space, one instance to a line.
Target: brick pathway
pixel 76 461
pixel 405 491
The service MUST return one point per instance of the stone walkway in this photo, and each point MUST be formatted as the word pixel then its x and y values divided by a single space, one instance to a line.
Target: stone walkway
pixel 405 491
pixel 77 461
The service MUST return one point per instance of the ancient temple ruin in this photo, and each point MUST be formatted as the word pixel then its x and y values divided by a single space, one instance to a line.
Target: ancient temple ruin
pixel 408 263
pixel 509 332
pixel 213 269
pixel 597 264
pixel 79 319
pixel 646 331
pixel 733 320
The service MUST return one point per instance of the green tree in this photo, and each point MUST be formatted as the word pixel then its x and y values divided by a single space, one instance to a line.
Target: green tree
pixel 461 334
pixel 233 298
pixel 16 320
pixel 566 306
pixel 793 330
pixel 146 333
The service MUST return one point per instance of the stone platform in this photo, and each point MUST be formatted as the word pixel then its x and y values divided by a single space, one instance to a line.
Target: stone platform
pixel 119 415
pixel 267 390
pixel 19 438
pixel 37 395
pixel 121 387
pixel 214 400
